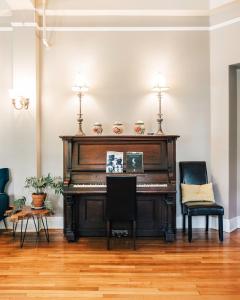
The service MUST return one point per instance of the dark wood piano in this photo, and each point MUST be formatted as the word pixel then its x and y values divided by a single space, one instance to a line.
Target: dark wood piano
pixel 84 165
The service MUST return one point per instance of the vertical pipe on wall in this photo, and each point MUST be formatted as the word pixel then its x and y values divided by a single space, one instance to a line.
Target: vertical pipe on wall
pixel 38 162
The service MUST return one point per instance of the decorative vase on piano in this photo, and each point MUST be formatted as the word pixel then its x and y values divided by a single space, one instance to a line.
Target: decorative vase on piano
pixel 139 127
pixel 97 128
pixel 117 127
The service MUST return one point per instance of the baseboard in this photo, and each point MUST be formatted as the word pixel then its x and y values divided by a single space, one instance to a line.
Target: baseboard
pixel 55 222
pixel 229 225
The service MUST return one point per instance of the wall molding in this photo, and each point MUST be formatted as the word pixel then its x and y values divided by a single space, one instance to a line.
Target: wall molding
pixel 122 28
pixel 126 12
pixel 214 6
pixel 2 29
pixel 224 24
pixel 229 225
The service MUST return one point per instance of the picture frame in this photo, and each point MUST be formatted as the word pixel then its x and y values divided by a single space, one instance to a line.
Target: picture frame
pixel 134 162
pixel 114 162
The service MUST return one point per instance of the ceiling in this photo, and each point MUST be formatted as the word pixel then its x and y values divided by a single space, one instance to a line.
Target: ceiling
pixel 107 13
pixel 113 5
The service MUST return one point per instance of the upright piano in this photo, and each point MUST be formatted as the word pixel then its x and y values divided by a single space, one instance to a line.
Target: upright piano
pixel 84 174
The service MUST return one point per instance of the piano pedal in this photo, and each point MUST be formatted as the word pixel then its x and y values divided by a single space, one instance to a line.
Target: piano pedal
pixel 119 233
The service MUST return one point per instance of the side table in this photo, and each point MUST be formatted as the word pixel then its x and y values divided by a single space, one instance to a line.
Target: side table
pixel 39 217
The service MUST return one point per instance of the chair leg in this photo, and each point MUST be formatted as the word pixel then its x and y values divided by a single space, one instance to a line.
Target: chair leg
pixel 189 229
pixel 184 223
pixel 5 223
pixel 207 223
pixel 108 234
pixel 134 234
pixel 220 227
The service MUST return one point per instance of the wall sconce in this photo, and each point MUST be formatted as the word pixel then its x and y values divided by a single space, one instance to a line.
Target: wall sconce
pixel 19 102
pixel 159 88
pixel 80 88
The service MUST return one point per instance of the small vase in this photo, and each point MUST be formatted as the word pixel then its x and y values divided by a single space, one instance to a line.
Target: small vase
pixel 117 128
pixel 38 200
pixel 97 128
pixel 139 128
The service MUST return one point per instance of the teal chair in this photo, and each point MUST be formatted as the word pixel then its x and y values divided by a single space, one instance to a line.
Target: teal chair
pixel 4 198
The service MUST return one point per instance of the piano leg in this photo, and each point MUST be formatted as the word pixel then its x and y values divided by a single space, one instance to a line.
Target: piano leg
pixel 170 232
pixel 70 219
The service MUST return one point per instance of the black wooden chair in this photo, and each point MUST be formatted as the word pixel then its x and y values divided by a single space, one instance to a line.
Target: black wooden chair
pixel 121 203
pixel 195 172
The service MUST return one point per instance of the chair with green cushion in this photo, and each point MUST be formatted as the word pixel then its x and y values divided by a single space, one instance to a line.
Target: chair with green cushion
pixel 4 198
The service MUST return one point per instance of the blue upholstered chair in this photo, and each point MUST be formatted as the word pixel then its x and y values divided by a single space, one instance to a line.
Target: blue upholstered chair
pixel 4 198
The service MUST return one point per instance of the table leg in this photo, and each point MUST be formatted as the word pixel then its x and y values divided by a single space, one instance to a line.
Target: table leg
pixel 38 231
pixel 34 223
pixel 23 234
pixel 45 227
pixel 21 231
pixel 14 228
pixel 36 228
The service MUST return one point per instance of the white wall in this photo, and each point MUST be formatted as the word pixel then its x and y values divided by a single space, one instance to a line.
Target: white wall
pixel 6 111
pixel 120 67
pixel 225 51
pixel 17 128
pixel 238 141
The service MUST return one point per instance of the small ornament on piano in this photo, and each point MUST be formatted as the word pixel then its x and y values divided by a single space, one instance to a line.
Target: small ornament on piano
pixel 117 127
pixel 97 128
pixel 139 127
pixel 66 182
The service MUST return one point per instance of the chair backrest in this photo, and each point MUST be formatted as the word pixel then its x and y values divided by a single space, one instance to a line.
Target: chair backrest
pixel 193 172
pixel 4 178
pixel 121 198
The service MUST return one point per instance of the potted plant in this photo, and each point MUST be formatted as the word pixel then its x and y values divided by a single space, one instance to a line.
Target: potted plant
pixel 40 186
pixel 18 204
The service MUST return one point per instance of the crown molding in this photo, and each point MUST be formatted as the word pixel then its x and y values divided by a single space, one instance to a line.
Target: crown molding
pixel 5 13
pixel 122 29
pixel 224 24
pixel 125 12
pixel 4 29
pixel 25 24
pixel 214 6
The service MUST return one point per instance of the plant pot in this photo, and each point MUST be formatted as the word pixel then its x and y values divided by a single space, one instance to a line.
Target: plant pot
pixel 38 199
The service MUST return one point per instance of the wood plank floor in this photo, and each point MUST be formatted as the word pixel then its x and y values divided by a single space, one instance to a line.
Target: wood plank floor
pixel 205 269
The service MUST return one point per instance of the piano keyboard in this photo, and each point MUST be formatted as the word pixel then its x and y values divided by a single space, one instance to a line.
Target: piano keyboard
pixel 141 185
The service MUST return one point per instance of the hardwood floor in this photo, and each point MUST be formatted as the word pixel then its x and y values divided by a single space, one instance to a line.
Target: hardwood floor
pixel 205 269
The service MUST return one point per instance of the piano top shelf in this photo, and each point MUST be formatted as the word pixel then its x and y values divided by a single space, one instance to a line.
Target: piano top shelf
pixel 118 138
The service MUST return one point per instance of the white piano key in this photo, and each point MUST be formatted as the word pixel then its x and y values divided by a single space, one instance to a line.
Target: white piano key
pixel 140 185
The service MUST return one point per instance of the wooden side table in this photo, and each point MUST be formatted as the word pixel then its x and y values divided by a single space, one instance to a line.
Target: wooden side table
pixel 38 216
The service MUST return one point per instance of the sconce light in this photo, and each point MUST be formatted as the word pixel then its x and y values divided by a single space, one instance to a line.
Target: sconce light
pixel 80 88
pixel 19 102
pixel 159 88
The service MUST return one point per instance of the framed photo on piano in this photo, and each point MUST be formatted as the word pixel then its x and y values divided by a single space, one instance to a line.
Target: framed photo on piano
pixel 114 162
pixel 134 162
